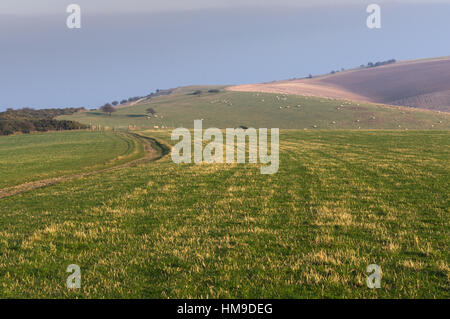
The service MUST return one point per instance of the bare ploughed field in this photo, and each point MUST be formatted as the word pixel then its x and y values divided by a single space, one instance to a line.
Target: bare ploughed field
pixel 421 83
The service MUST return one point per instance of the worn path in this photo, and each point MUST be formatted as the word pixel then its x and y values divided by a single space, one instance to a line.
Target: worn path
pixel 149 154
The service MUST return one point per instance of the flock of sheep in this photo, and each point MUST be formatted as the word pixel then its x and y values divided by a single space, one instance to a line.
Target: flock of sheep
pixel 224 101
pixel 284 100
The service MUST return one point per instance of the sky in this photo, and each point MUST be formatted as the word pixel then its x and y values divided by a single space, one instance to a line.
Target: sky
pixel 29 7
pixel 130 48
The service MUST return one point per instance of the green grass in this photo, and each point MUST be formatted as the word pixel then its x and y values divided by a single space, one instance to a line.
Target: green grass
pixel 232 109
pixel 31 157
pixel 341 200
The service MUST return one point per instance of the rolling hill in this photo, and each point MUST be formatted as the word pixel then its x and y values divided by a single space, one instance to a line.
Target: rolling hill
pixel 419 84
pixel 343 198
pixel 221 108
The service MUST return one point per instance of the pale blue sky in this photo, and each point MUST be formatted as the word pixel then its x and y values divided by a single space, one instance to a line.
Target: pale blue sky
pixel 128 48
pixel 22 7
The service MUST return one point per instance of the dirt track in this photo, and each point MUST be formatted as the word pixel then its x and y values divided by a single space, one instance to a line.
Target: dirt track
pixel 149 155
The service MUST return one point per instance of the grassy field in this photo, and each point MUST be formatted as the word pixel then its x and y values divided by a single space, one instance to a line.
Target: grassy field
pixel 31 157
pixel 232 109
pixel 341 200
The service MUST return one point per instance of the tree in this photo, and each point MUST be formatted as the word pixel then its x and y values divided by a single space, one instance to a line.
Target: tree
pixel 115 103
pixel 151 111
pixel 107 108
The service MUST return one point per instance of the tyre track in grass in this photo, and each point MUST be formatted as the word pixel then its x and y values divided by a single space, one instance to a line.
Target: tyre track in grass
pixel 153 150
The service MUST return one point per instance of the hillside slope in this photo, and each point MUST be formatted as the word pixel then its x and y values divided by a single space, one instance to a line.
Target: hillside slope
pixel 221 108
pixel 420 84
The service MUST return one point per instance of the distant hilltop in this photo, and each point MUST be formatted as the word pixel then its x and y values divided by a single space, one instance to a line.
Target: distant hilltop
pixel 419 84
